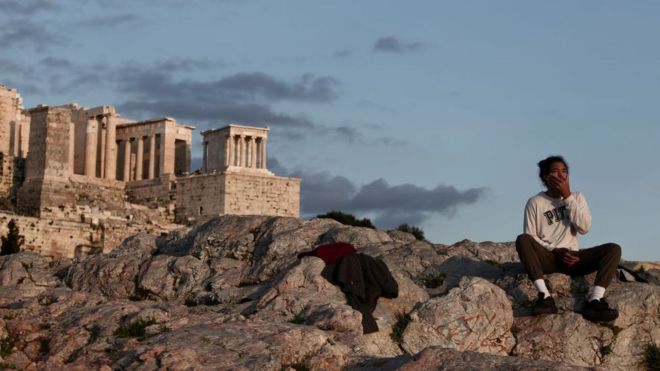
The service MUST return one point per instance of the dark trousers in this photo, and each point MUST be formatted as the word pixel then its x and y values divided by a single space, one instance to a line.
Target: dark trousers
pixel 538 261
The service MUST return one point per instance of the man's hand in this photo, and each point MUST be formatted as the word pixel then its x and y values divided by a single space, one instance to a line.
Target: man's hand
pixel 559 185
pixel 565 256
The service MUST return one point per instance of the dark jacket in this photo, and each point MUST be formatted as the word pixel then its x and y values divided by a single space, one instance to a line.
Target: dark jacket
pixel 363 279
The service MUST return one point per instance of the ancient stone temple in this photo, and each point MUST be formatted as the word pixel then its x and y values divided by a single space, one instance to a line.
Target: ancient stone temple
pixel 78 180
pixel 95 146
pixel 235 180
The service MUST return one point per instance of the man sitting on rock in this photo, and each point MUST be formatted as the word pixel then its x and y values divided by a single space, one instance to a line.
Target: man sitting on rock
pixel 549 242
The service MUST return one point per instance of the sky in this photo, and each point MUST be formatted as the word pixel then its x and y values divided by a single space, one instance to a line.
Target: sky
pixel 430 113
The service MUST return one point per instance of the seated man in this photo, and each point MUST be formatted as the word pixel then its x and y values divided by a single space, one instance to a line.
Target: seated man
pixel 549 242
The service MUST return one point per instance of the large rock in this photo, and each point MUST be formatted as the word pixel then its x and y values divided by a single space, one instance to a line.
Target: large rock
pixel 438 358
pixel 115 274
pixel 475 316
pixel 564 337
pixel 230 294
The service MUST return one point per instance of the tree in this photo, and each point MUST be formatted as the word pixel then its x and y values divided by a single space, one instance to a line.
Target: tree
pixel 347 219
pixel 415 231
pixel 12 243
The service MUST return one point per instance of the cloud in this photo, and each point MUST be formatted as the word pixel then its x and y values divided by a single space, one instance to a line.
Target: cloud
pixel 26 7
pixel 110 20
pixel 392 205
pixel 391 44
pixel 9 67
pixel 210 114
pixel 21 32
pixel 344 53
pixel 54 62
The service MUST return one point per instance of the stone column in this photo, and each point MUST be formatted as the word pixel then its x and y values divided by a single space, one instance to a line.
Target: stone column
pixel 263 152
pixel 91 133
pixel 205 149
pixel 241 151
pixel 127 160
pixel 110 148
pixel 253 151
pixel 101 144
pixel 139 158
pixel 229 151
pixel 152 156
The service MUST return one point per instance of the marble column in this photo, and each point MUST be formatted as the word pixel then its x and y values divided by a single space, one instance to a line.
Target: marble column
pixel 263 152
pixel 139 158
pixel 253 151
pixel 110 148
pixel 241 151
pixel 91 140
pixel 205 156
pixel 152 156
pixel 101 150
pixel 229 154
pixel 127 160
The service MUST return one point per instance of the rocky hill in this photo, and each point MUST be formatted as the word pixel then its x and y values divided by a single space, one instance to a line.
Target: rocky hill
pixel 231 294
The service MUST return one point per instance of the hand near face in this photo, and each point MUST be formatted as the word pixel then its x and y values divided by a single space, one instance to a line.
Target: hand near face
pixel 559 184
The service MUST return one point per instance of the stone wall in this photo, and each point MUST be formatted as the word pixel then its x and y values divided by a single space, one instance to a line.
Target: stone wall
pixel 14 124
pixel 261 195
pixel 12 172
pixel 91 233
pixel 202 196
pixel 156 191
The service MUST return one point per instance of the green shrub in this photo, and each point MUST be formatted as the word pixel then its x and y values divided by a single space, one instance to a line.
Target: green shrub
pixel 135 329
pixel 651 357
pixel 12 243
pixel 402 321
pixel 415 231
pixel 6 346
pixel 433 280
pixel 605 350
pixel 347 219
pixel 298 319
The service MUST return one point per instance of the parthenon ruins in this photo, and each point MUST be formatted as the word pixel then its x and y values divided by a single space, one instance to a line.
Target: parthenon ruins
pixel 90 166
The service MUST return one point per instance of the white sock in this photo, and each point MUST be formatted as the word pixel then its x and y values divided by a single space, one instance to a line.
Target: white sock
pixel 597 293
pixel 540 285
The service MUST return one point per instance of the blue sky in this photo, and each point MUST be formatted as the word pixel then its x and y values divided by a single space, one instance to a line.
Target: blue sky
pixel 432 113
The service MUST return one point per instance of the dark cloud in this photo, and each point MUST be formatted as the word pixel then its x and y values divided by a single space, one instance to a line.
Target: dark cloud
pixel 247 113
pixel 241 87
pixel 345 53
pixel 54 62
pixel 110 20
pixel 392 205
pixel 186 65
pixel 24 32
pixel 391 44
pixel 9 67
pixel 25 7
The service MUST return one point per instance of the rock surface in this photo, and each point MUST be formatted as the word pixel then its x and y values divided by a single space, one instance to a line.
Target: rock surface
pixel 231 294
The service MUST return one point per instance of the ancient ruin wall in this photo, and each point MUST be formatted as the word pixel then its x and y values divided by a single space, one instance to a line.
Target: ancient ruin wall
pixel 14 124
pixel 262 195
pixel 208 195
pixel 200 196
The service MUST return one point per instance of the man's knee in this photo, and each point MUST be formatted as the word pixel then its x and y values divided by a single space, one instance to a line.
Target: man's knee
pixel 614 250
pixel 524 242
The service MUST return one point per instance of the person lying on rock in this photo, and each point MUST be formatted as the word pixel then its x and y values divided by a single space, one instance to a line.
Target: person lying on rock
pixel 549 242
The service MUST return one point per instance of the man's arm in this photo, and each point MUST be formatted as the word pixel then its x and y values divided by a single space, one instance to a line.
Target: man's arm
pixel 578 212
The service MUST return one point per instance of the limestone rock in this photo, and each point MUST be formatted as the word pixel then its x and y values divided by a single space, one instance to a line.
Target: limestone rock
pixel 113 275
pixel 437 358
pixel 475 316
pixel 563 337
pixel 490 252
pixel 231 294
